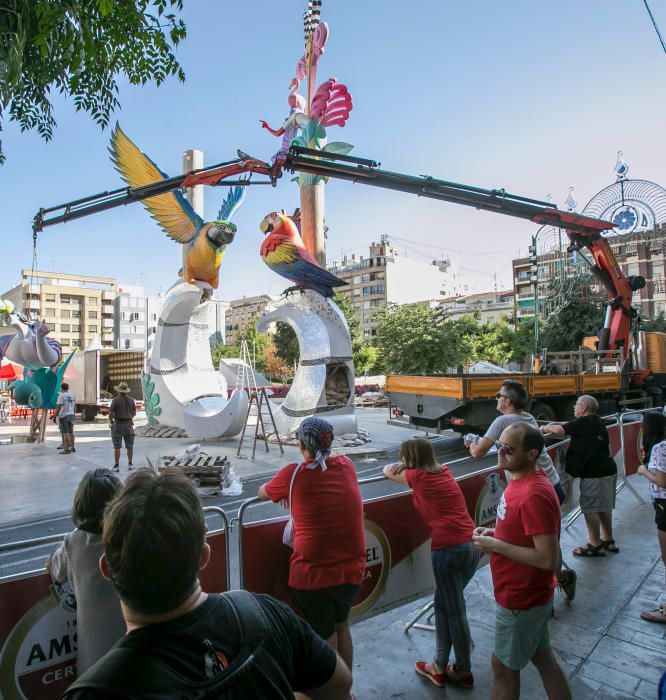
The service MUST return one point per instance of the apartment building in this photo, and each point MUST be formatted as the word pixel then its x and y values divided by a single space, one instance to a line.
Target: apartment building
pixel 241 314
pixel 77 307
pixel 385 277
pixel 489 306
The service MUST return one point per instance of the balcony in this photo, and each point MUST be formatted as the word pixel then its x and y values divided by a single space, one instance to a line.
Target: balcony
pixel 107 323
pixel 108 296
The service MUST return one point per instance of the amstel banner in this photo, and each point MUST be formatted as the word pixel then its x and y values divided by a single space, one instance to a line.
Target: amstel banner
pixel 38 629
pixel 398 565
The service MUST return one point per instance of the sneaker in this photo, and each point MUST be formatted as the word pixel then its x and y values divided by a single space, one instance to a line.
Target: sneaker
pixel 116 468
pixel 465 679
pixel 65 452
pixel 439 679
pixel 567 584
pixel 60 447
pixel 130 465
pixel 72 450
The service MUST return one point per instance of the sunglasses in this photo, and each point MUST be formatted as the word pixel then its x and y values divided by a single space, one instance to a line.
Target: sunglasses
pixel 503 447
pixel 502 396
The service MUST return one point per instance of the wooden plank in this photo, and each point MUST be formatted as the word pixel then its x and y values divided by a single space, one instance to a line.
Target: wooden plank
pixel 485 387
pixel 598 383
pixel 451 387
pixel 552 385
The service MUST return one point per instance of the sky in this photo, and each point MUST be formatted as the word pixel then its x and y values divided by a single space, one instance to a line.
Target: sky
pixel 533 97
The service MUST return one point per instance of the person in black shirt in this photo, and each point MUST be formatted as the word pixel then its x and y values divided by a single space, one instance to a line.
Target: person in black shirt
pixel 588 458
pixel 121 419
pixel 180 641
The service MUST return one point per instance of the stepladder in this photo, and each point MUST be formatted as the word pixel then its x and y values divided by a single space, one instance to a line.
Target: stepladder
pixel 259 408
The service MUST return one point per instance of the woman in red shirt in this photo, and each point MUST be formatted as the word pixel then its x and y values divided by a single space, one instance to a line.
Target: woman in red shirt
pixel 328 562
pixel 440 502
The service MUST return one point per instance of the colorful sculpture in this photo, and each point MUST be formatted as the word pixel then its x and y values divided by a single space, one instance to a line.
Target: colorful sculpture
pixel 284 253
pixel 328 105
pixel 39 355
pixel 205 241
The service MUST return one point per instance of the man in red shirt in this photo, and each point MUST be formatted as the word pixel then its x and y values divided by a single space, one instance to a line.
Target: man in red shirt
pixel 524 554
pixel 328 562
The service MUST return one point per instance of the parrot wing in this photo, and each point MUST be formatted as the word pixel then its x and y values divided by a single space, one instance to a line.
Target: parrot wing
pixel 295 263
pixel 235 197
pixel 171 210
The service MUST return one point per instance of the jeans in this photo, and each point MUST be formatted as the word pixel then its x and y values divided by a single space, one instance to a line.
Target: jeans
pixel 454 568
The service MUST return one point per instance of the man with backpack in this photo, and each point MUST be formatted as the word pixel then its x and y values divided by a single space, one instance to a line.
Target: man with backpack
pixel 180 641
pixel 121 417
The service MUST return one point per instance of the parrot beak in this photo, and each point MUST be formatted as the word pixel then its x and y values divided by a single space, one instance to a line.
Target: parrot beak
pixel 221 233
pixel 265 227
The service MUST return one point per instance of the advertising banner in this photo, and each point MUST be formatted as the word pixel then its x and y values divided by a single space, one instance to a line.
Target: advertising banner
pixel 633 435
pixel 38 629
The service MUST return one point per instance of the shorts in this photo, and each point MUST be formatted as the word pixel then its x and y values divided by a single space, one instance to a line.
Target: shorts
pixel 660 513
pixel 120 432
pixel 66 424
pixel 597 495
pixel 323 608
pixel 520 634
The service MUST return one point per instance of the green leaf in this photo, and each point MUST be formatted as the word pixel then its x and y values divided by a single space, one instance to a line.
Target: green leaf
pixel 338 147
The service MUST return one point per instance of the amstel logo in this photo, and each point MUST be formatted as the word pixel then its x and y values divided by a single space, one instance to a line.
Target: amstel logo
pixel 39 656
pixel 488 500
pixel 377 567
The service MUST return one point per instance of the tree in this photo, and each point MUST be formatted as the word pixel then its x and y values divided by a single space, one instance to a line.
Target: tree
pixel 415 339
pixel 658 323
pixel 355 331
pixel 483 341
pixel 366 359
pixel 276 366
pixel 257 344
pixel 522 341
pixel 566 329
pixel 221 350
pixel 286 343
pixel 80 48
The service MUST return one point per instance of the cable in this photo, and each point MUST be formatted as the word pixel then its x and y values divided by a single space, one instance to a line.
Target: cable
pixel 654 24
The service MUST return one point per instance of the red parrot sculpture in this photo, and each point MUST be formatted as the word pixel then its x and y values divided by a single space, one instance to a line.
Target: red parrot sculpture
pixel 283 251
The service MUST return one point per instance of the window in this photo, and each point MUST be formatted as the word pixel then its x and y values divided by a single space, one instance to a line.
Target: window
pixel 125 329
pixel 64 299
pixel 50 297
pixel 92 314
pixel 136 316
pixel 92 329
pixel 127 344
pixel 76 343
pixel 92 301
pixel 76 314
pixel 64 342
pixel 49 311
pixel 76 329
pixel 64 313
pixel 154 317
pixel 64 327
pixel 365 278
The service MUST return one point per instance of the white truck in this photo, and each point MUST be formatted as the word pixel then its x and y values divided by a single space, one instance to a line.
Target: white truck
pixel 92 374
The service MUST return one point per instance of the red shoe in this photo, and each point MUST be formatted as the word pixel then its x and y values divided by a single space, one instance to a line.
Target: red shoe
pixel 462 678
pixel 439 679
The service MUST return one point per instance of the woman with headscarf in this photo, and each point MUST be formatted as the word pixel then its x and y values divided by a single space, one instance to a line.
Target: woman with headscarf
pixel 328 562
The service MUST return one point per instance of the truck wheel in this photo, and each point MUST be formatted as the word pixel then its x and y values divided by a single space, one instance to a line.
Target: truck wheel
pixel 542 411
pixel 88 414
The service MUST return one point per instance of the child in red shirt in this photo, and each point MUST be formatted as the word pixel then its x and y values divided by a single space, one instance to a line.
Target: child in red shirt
pixel 440 502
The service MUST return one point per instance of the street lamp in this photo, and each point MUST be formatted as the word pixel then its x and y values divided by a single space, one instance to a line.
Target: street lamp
pixel 534 278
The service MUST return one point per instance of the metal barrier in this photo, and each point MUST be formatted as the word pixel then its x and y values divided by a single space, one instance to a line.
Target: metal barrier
pixel 623 448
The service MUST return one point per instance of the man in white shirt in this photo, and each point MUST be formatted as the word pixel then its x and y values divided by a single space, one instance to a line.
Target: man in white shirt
pixel 65 410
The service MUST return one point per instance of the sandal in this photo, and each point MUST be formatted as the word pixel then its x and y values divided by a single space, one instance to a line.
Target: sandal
pixel 439 679
pixel 656 615
pixel 589 550
pixel 610 546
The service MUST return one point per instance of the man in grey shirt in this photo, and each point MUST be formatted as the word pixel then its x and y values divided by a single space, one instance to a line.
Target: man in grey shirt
pixel 512 398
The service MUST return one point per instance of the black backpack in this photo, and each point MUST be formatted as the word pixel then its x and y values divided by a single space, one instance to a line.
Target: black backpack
pixel 254 673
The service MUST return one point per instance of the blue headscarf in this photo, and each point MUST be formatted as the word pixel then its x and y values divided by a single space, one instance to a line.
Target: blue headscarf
pixel 317 435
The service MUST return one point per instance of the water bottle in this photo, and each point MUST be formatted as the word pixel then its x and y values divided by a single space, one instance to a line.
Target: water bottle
pixel 472 438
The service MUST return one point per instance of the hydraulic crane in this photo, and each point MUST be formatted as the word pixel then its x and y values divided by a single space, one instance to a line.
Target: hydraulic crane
pixel 583 231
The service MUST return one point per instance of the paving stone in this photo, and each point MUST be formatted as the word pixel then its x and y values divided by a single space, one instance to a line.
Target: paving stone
pixel 621 632
pixel 650 642
pixel 583 688
pixel 608 693
pixel 609 676
pixel 629 658
pixel 646 690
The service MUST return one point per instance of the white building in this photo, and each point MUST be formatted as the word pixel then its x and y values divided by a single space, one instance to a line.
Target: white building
pixel 385 277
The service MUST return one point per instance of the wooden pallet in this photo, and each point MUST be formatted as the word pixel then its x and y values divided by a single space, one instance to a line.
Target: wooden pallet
pixel 205 470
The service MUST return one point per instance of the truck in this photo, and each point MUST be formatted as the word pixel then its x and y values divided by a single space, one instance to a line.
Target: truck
pixel 92 374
